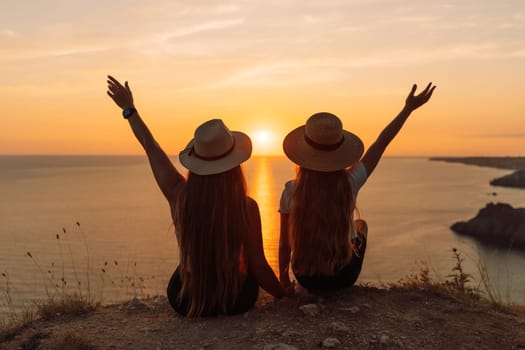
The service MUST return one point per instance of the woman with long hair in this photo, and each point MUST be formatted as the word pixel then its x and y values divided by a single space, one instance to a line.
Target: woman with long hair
pixel 218 227
pixel 319 236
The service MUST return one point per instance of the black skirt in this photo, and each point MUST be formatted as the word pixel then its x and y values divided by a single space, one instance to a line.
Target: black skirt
pixel 245 300
pixel 344 278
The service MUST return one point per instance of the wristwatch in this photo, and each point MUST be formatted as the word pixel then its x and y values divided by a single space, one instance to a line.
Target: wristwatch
pixel 128 112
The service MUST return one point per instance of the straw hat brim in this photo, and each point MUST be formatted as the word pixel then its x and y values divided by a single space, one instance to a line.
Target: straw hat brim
pixel 240 153
pixel 303 154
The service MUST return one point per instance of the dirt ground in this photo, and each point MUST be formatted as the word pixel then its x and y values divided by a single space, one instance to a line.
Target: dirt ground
pixel 359 318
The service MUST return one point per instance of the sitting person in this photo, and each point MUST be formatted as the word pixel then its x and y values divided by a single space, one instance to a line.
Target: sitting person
pixel 318 234
pixel 218 227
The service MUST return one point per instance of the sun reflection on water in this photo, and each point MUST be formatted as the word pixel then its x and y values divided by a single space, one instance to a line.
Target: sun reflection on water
pixel 262 190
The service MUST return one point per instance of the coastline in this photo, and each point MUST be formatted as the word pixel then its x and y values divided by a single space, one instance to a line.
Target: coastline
pixel 497 224
pixel 512 163
pixel 362 317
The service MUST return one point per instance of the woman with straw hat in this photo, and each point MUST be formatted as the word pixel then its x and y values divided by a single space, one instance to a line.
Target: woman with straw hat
pixel 218 227
pixel 319 235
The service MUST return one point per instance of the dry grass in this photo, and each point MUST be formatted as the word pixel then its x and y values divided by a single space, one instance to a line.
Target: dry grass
pixel 460 285
pixel 457 284
pixel 10 329
pixel 67 295
pixel 46 310
pixel 67 305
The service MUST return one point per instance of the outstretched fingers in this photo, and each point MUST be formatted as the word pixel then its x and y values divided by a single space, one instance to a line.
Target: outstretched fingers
pixel 427 93
pixel 113 84
pixel 426 90
pixel 414 101
pixel 120 94
pixel 113 81
pixel 413 91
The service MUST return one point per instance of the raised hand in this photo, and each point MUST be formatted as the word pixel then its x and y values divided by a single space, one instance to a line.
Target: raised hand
pixel 120 94
pixel 415 101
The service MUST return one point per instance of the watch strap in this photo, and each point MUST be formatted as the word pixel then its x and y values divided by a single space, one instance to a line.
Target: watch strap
pixel 128 112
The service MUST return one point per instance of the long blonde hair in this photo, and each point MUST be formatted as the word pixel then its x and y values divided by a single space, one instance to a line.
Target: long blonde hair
pixel 321 218
pixel 213 219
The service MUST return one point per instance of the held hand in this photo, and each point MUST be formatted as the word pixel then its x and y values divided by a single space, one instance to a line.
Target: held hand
pixel 120 94
pixel 412 102
pixel 290 290
pixel 289 287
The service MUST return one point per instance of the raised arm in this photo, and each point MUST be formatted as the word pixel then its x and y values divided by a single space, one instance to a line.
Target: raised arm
pixel 165 174
pixel 375 151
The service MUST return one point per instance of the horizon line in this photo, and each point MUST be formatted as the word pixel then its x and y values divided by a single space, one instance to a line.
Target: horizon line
pixel 254 155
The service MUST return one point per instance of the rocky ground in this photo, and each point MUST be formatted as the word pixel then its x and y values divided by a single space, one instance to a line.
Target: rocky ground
pixel 359 318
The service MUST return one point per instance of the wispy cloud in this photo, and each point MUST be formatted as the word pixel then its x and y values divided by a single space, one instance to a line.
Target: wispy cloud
pixel 418 19
pixel 206 26
pixel 294 70
pixel 271 73
pixel 7 33
pixel 500 136
pixel 59 51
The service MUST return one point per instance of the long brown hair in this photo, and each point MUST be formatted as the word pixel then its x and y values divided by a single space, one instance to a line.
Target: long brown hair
pixel 321 218
pixel 213 219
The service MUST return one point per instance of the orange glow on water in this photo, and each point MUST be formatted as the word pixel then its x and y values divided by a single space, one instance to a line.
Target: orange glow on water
pixel 263 192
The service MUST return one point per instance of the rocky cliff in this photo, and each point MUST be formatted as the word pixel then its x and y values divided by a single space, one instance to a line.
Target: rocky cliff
pixel 516 179
pixel 497 224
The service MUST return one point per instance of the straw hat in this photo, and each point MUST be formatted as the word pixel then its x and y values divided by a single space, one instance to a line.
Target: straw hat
pixel 322 144
pixel 215 149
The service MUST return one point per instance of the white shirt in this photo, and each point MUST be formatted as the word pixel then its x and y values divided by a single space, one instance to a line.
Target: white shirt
pixel 356 176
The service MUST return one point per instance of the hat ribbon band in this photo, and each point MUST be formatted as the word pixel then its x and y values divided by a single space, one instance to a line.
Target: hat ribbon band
pixel 230 150
pixel 323 147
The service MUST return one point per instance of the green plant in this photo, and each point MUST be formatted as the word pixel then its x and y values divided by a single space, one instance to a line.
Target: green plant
pixel 459 280
pixel 457 284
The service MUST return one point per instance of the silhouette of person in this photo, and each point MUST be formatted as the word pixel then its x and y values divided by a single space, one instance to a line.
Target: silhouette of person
pixel 218 227
pixel 319 237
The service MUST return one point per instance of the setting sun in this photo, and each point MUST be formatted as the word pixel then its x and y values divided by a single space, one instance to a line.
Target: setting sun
pixel 264 67
pixel 265 142
pixel 263 137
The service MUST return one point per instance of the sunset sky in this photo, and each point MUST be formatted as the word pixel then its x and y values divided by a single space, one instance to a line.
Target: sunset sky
pixel 263 67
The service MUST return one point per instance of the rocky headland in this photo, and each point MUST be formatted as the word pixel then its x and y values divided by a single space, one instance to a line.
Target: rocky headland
pixel 497 224
pixel 516 163
pixel 516 180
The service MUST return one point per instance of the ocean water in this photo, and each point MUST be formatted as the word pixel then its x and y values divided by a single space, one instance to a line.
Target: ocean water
pixel 99 226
